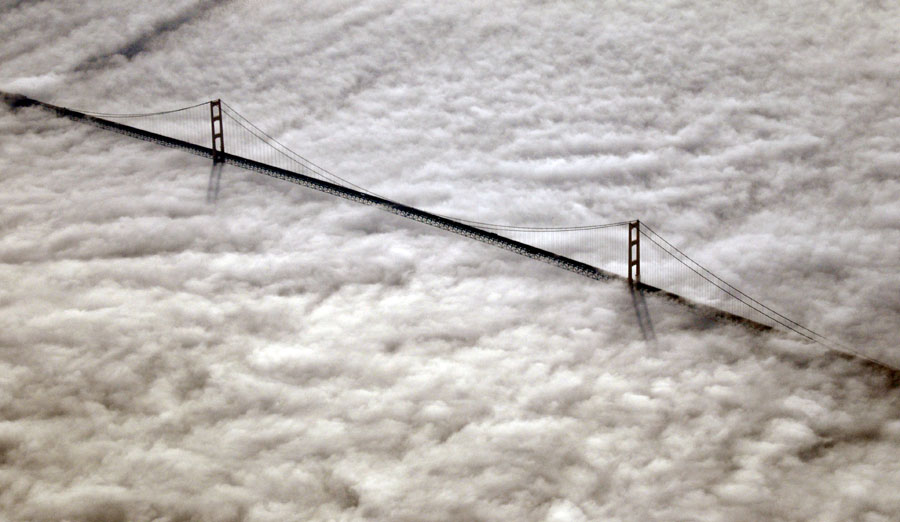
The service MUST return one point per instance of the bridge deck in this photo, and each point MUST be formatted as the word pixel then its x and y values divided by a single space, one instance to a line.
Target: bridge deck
pixel 450 225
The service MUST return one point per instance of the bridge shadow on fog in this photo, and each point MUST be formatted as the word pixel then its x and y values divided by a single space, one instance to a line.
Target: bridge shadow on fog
pixel 215 180
pixel 645 322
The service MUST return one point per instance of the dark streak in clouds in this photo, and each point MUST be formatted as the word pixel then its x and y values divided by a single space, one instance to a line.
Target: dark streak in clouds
pixel 12 5
pixel 161 29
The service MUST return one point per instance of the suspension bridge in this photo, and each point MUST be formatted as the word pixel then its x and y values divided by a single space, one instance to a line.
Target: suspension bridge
pixel 629 251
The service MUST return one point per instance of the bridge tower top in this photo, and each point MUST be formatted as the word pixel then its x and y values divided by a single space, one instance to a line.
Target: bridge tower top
pixel 634 252
pixel 218 139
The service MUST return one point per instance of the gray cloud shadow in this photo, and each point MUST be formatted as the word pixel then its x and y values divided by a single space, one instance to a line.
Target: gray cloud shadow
pixel 142 42
pixel 15 4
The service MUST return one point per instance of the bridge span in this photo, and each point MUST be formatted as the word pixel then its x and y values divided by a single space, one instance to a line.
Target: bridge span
pixel 619 244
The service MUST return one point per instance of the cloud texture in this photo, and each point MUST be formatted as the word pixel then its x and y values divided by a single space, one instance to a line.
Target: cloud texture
pixel 282 355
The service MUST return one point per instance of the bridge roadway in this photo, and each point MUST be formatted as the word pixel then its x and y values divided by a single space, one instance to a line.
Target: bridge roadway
pixel 17 100
pixel 450 225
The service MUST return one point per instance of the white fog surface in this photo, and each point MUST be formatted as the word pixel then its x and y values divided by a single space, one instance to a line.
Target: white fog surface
pixel 279 354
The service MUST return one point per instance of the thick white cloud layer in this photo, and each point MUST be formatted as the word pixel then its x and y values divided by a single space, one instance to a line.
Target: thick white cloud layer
pixel 282 355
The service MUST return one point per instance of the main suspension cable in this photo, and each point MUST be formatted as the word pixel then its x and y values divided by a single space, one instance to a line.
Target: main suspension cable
pixel 324 172
pixel 717 277
pixel 794 326
pixel 134 114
